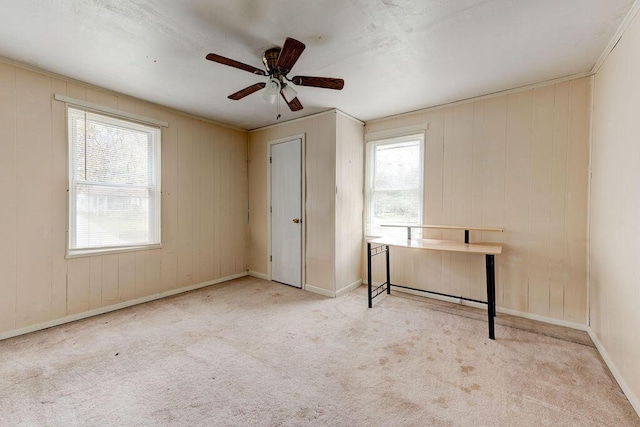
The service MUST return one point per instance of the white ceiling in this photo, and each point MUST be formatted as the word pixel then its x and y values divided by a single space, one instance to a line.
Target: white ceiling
pixel 394 55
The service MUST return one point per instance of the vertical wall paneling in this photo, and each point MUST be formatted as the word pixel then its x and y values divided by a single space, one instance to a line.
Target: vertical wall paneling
pixel 227 235
pixel 80 278
pixel 77 91
pixel 349 201
pixel 258 204
pixel 170 202
pixel 577 178
pixel 59 202
pixel 477 264
pixel 128 105
pixel 493 178
pixel 517 162
pixel 241 202
pixel 320 201
pixel 153 272
pixel 140 268
pixel 432 210
pixel 217 203
pixel 447 196
pixel 107 99
pixel 35 198
pixel 9 191
pixel 126 276
pixel 95 281
pixel 614 250
pixel 38 283
pixel 110 280
pixel 185 196
pixel 540 222
pixel 557 241
pixel 196 201
pixel 207 219
pixel 518 200
pixel 461 194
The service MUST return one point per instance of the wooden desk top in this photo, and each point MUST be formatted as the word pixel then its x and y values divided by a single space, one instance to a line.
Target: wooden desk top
pixel 442 227
pixel 441 245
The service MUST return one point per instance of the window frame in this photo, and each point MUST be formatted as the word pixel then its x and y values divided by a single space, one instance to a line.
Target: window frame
pixel 128 121
pixel 373 141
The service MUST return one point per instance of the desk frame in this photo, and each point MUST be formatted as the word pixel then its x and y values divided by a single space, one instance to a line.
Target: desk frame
pixel 442 227
pixel 491 283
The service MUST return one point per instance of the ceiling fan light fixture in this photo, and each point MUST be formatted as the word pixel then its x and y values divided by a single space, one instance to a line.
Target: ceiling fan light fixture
pixel 271 90
pixel 289 93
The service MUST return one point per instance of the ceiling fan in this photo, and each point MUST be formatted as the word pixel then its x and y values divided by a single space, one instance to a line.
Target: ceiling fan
pixel 278 62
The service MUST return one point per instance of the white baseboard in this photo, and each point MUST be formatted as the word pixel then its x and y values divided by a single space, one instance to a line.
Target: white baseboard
pixel 331 294
pixel 633 399
pixel 258 275
pixel 508 311
pixel 320 291
pixel 103 310
pixel 348 288
pixel 551 320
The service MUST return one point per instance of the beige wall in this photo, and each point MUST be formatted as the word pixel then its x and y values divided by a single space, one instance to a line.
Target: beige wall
pixel 320 167
pixel 333 199
pixel 518 162
pixel 349 200
pixel 204 208
pixel 615 210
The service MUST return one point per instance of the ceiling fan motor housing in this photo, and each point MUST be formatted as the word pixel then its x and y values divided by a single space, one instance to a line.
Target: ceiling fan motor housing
pixel 270 59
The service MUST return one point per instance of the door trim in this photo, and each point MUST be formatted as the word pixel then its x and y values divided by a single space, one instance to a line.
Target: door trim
pixel 303 156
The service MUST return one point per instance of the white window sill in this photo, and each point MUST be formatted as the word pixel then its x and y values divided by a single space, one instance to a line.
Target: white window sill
pixel 79 253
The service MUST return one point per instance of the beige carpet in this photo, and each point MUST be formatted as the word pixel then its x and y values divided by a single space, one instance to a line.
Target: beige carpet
pixel 255 353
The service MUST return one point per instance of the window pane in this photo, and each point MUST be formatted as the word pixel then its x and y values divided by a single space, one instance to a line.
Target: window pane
pixel 395 185
pixel 397 206
pixel 116 155
pixel 108 216
pixel 397 166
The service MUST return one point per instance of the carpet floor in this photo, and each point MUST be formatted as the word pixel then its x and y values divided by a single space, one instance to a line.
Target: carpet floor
pixel 254 353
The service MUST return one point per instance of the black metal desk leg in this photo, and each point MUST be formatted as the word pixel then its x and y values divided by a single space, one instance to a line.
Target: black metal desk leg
pixel 369 273
pixel 388 272
pixel 491 293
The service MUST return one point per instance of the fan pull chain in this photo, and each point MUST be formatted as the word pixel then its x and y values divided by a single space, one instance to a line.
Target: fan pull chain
pixel 278 108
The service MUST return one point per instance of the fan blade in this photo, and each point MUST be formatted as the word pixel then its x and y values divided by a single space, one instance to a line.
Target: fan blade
pixel 289 54
pixel 232 63
pixel 324 82
pixel 294 104
pixel 246 91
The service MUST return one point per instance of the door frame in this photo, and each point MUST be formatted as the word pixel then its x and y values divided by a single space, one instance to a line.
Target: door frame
pixel 303 263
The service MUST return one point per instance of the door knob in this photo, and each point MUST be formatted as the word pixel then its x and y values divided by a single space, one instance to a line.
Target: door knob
pixel 297 220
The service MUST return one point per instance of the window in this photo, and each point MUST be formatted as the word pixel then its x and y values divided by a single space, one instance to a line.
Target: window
pixel 394 184
pixel 114 183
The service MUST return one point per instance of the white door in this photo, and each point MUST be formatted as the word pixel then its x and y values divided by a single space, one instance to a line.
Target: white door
pixel 286 212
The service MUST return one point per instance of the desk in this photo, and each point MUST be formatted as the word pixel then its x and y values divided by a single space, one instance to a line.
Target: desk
pixel 489 250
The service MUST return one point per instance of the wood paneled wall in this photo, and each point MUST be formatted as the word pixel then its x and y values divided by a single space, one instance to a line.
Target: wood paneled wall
pixel 204 206
pixel 320 132
pixel 615 211
pixel 349 201
pixel 518 162
pixel 333 206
